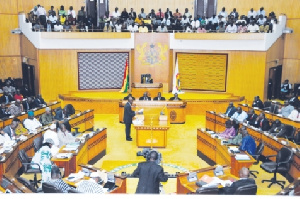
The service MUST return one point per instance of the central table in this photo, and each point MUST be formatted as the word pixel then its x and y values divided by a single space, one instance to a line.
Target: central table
pixel 152 134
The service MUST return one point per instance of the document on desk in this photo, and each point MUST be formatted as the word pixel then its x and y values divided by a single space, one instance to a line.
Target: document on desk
pixel 234 149
pixel 64 155
pixel 72 146
pixel 242 157
pixel 75 176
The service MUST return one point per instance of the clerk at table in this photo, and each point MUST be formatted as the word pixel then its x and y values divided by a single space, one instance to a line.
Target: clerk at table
pixel 239 115
pixel 159 97
pixel 145 97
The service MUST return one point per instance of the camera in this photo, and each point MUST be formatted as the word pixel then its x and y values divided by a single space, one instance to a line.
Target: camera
pixel 146 151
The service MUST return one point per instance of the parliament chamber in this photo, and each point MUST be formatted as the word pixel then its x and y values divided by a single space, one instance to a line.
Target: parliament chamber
pixel 78 63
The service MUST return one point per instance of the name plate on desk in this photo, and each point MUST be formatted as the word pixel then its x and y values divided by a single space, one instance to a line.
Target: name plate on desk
pixel 192 177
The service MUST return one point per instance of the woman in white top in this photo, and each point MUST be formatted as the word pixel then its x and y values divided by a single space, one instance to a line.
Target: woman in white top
pixel 64 136
pixel 72 12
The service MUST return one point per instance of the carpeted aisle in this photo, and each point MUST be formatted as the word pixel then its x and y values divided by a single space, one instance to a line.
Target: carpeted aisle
pixel 179 155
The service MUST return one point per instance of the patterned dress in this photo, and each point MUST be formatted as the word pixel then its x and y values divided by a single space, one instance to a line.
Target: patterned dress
pixel 43 158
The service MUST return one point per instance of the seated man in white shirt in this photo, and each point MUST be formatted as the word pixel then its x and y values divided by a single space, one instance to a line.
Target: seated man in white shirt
pixel 251 13
pixel 53 19
pixel 223 13
pixel 51 133
pixel 231 28
pixel 239 115
pixel 31 123
pixel 58 27
pixel 143 28
pixel 91 185
pixel 116 13
pixel 295 114
pixel 261 20
pixel 64 136
pixel 253 27
pixel 118 26
pixel 132 27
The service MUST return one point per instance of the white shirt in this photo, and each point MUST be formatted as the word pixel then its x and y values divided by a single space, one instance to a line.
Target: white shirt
pixel 73 13
pixel 224 14
pixel 251 14
pixel 4 138
pixel 184 21
pixel 195 24
pixel 261 12
pixel 166 22
pixel 231 29
pixel 214 20
pixel 261 21
pixel 188 29
pixel 58 28
pixel 115 14
pixel 51 135
pixel 53 19
pixel 133 28
pixel 40 11
pixel 118 27
pixel 239 117
pixel 254 28
pixel 65 138
pixel 32 125
pixel 295 115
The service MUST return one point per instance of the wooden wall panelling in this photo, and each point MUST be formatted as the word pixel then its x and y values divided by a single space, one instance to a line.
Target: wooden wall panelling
pixel 292 47
pixel 290 8
pixel 10 43
pixel 28 49
pixel 9 7
pixel 10 67
pixel 291 70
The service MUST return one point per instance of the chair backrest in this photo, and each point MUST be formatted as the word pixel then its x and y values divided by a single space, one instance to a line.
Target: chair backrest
pixel 284 155
pixel 50 188
pixel 27 184
pixel 297 138
pixel 208 190
pixel 37 143
pixel 73 191
pixel 267 104
pixel 249 189
pixel 287 131
pixel 260 148
pixel 24 159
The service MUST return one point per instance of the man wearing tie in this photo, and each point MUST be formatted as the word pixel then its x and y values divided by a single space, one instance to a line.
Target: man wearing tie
pixel 159 97
pixel 145 97
pixel 230 110
pixel 251 117
pixel 6 98
pixel 10 130
pixel 128 115
pixel 262 123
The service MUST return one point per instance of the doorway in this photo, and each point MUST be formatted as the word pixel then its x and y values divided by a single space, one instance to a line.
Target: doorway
pixel 275 74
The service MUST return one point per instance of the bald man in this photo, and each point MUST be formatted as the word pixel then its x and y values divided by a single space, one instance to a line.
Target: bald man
pixel 244 180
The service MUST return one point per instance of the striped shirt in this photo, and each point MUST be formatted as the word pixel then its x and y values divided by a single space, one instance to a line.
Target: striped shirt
pixel 61 185
pixel 89 186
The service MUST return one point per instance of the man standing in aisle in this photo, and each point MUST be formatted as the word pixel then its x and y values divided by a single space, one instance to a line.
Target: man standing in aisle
pixel 128 115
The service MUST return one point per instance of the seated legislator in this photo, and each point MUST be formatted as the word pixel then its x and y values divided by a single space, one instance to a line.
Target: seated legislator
pixel 6 98
pixel 18 95
pixel 90 186
pixel 39 101
pixel 229 131
pixel 175 98
pixel 237 140
pixel 159 97
pixel 295 114
pixel 257 103
pixel 59 114
pixel 262 122
pixel 286 110
pixel 239 115
pixel 276 127
pixel 251 118
pixel 275 107
pixel 64 136
pixel 4 111
pixel 230 110
pixel 10 130
pixel 248 143
pixel 16 108
pixel 28 104
pixel 129 95
pixel 47 117
pixel 244 180
pixel 31 123
pixel 51 133
pixel 145 97
pixel 57 181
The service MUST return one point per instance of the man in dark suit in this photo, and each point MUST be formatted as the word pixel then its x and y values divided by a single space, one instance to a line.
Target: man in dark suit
pixel 257 103
pixel 132 14
pixel 145 97
pixel 230 110
pixel 28 104
pixel 4 110
pixel 262 122
pixel 244 180
pixel 6 98
pixel 159 97
pixel 251 117
pixel 129 95
pixel 128 115
pixel 169 13
pixel 39 101
pixel 10 129
pixel 276 127
pixel 150 175
pixel 175 98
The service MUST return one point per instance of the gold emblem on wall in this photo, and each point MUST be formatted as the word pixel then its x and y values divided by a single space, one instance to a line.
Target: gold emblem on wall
pixel 173 115
pixel 152 53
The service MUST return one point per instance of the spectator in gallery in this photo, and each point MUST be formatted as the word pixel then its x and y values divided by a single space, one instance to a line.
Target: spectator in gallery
pixel 66 26
pixel 223 13
pixel 257 103
pixel 63 19
pixel 221 28
pixel 116 13
pixel 139 20
pixel 81 14
pixel 143 28
pixel 285 87
pixel 177 14
pixel 162 28
pixel 229 132
pixel 201 29
pixel 252 13
pixel 186 13
pixel 261 12
pixel 168 13
pixel 175 98
pixel 252 27
pixel 9 89
pixel 231 28
pixel 132 13
pixel 189 28
pixel 124 14
pixel 230 110
pixel 49 24
pixel 71 12
pixel 62 11
pixel 195 23
pixel 210 27
pixel 18 95
pixel 239 115
pixel 234 13
pixel 51 11
pixel 58 27
pixel 145 97
pixel 160 14
pixel 143 14
pixel 261 20
pixel 242 27
pixel 159 97
pixel 53 20
pixel 132 27
pixel 118 26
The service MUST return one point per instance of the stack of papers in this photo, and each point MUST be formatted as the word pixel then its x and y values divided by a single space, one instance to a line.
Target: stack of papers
pixel 64 155
pixel 137 122
pixel 22 138
pixel 242 157
pixel 234 149
pixel 71 147
pixel 210 132
pixel 75 176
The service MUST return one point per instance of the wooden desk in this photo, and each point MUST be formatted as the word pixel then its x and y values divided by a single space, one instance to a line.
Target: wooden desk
pixel 175 109
pixel 138 89
pixel 159 135
pixel 211 148
pixel 84 120
pixel 211 121
pixel 93 147
pixel 184 186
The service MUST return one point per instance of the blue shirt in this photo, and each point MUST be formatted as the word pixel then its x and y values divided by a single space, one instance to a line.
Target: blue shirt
pixel 248 144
